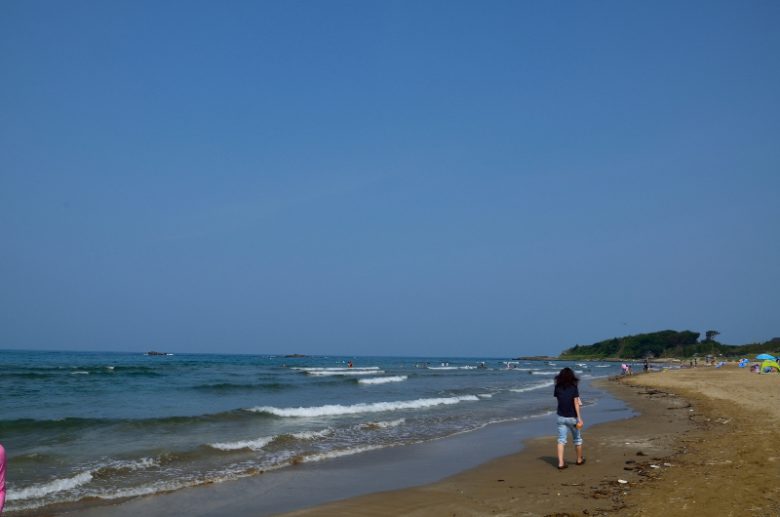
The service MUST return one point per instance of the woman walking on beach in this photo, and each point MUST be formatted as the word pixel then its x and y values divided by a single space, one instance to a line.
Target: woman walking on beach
pixel 569 417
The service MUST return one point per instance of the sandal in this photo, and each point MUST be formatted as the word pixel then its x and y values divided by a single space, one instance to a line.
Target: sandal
pixel 581 462
pixel 561 467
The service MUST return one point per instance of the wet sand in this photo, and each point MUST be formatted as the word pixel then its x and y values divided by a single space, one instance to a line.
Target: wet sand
pixel 706 443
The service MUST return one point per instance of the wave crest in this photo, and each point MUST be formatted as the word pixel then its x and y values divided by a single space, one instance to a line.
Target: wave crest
pixel 533 387
pixel 54 486
pixel 373 407
pixel 326 373
pixel 383 380
pixel 253 445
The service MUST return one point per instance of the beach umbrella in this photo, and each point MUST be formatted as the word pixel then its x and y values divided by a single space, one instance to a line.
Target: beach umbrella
pixel 765 357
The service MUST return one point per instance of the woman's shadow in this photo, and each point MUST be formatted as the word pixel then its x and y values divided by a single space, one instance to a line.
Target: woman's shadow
pixel 551 460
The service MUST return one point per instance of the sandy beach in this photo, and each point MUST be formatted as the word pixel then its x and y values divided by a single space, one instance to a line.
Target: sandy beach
pixel 706 443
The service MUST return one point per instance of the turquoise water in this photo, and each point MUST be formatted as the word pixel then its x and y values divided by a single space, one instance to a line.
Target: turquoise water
pixel 80 425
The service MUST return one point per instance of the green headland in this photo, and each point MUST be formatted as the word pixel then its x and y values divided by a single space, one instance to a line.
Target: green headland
pixel 667 344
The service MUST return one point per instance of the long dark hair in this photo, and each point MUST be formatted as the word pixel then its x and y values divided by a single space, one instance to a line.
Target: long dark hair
pixel 566 377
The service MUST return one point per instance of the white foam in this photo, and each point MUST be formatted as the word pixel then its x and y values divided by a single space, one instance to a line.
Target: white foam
pixel 253 445
pixel 62 485
pixel 32 497
pixel 339 453
pixel 143 463
pixel 334 369
pixel 383 425
pixel 485 395
pixel 345 372
pixel 375 407
pixel 383 380
pixel 79 372
pixel 57 485
pixel 533 387
pixel 312 435
pixel 542 372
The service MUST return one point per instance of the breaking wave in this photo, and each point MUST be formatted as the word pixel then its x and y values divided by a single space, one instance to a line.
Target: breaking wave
pixel 533 387
pixel 383 380
pixel 374 407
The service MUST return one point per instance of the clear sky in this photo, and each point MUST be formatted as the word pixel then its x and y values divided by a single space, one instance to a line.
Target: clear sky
pixel 401 177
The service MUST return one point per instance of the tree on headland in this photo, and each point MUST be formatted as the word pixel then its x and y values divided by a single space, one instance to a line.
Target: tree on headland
pixel 710 334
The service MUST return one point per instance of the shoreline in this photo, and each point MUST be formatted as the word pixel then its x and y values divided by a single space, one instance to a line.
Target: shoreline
pixel 702 445
pixel 312 484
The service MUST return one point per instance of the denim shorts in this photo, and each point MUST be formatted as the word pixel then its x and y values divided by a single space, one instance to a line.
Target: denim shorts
pixel 570 424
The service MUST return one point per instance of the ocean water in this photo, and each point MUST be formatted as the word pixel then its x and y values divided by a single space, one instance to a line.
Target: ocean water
pixel 80 425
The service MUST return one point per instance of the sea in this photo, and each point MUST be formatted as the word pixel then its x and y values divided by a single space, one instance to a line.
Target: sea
pixel 90 426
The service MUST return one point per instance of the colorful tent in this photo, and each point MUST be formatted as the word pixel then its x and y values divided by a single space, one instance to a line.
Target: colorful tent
pixel 770 366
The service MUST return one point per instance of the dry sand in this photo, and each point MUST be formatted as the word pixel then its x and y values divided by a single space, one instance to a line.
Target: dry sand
pixel 706 443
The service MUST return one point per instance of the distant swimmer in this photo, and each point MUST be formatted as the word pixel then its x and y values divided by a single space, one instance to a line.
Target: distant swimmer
pixel 349 364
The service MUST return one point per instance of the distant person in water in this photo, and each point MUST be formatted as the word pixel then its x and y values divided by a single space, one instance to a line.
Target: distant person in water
pixel 2 477
pixel 569 416
pixel 349 364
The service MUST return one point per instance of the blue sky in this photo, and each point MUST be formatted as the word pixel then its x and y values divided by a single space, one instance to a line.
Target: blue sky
pixel 429 178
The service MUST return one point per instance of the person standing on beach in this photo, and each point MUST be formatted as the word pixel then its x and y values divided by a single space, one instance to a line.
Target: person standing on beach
pixel 569 416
